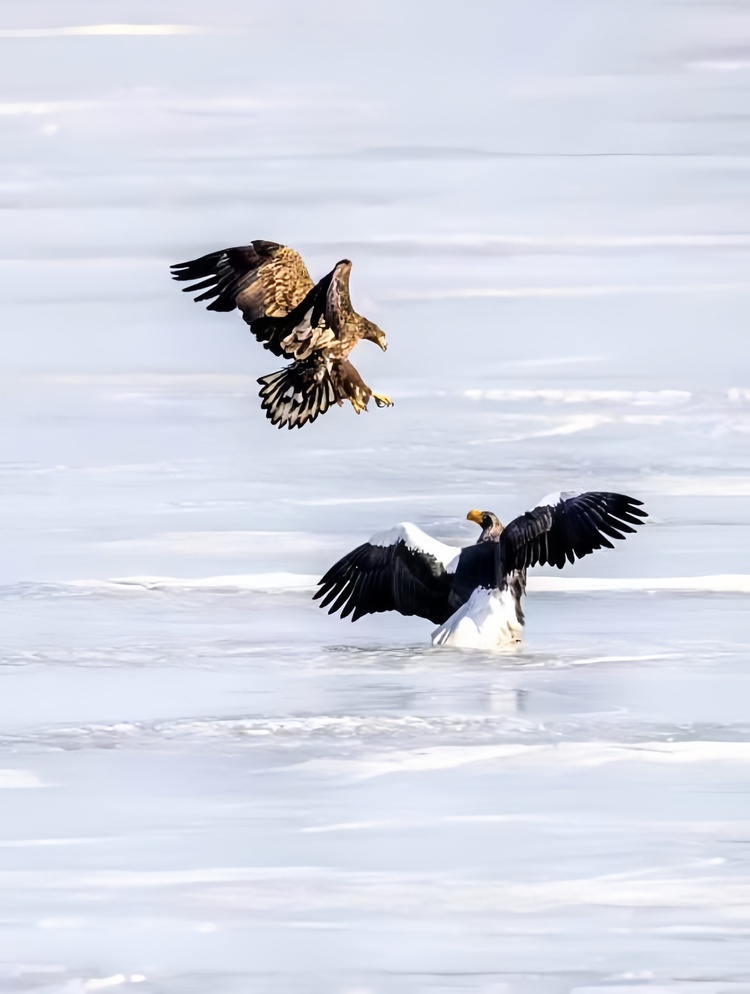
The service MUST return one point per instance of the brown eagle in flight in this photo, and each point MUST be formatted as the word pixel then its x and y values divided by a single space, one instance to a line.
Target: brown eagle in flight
pixel 313 324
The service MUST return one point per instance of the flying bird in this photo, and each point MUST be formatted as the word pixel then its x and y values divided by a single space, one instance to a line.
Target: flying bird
pixel 313 324
pixel 474 594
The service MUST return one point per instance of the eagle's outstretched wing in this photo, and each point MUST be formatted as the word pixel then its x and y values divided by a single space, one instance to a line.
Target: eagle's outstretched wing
pixel 402 570
pixel 289 314
pixel 565 527
pixel 262 278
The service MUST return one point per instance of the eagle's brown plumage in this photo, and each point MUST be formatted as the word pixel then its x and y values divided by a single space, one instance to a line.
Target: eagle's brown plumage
pixel 313 324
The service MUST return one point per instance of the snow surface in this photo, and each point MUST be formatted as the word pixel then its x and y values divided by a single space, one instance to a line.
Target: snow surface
pixel 209 785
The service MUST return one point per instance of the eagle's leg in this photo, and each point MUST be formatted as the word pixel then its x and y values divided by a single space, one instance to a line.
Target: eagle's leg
pixel 358 400
pixel 357 391
pixel 350 385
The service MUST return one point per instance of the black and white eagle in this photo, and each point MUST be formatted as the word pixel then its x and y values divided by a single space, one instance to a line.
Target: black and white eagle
pixel 474 594
pixel 312 324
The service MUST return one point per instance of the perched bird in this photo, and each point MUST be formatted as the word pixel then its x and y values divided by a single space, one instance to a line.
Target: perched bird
pixel 313 324
pixel 474 594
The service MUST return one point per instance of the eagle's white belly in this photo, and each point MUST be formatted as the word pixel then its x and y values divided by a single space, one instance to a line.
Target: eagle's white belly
pixel 488 619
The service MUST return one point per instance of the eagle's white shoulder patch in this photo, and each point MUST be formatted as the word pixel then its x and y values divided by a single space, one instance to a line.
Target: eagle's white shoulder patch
pixel 418 541
pixel 557 498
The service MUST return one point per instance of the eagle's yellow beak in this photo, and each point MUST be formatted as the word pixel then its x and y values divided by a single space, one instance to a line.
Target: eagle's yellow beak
pixel 475 516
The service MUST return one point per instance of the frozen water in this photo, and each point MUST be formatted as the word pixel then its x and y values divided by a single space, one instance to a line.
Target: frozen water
pixel 208 784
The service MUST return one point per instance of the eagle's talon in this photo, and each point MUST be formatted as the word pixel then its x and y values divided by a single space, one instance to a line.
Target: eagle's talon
pixel 382 400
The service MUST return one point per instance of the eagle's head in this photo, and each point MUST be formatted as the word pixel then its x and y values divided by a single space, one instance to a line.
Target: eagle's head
pixel 488 522
pixel 372 333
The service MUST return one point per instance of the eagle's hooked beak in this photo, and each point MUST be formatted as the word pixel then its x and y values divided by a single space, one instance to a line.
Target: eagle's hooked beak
pixel 475 516
pixel 383 344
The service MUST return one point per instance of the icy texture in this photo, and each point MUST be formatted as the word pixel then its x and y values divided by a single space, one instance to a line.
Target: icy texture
pixel 209 786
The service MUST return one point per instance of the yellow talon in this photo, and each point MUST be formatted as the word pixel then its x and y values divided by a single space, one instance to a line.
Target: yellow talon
pixel 382 400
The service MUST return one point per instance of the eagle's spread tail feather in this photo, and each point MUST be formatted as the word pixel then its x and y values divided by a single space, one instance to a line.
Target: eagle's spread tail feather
pixel 297 394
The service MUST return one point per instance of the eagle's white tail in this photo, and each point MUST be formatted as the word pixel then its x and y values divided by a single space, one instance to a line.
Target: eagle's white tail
pixel 490 618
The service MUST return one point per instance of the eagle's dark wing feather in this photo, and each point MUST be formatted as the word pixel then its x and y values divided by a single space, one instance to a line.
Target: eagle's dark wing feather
pixel 263 278
pixel 569 529
pixel 397 576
